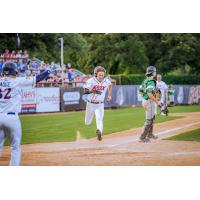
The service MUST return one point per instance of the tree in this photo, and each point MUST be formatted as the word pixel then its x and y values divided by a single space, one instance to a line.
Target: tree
pixel 178 51
pixel 120 53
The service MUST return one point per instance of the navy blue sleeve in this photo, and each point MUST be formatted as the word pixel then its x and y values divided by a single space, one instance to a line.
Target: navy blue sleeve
pixel 42 76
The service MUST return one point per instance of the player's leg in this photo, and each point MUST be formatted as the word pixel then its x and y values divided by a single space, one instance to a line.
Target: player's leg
pixel 99 114
pixel 156 107
pixel 14 136
pixel 150 133
pixel 163 107
pixel 147 124
pixel 89 113
pixel 2 138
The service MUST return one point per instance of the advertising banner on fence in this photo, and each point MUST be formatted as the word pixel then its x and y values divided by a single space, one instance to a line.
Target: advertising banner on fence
pixel 50 99
pixel 124 95
pixel 71 99
pixel 47 99
pixel 28 95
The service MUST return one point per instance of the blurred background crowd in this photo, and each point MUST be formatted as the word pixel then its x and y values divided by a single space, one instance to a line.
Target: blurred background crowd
pixel 32 66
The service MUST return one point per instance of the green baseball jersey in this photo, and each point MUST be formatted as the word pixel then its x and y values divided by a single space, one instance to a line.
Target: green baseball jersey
pixel 147 86
pixel 171 90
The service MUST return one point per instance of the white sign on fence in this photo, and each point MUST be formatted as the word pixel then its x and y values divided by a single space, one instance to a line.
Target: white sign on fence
pixel 48 99
pixel 28 100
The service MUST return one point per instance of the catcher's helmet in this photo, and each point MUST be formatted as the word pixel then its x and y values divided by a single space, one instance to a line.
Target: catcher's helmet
pixel 9 68
pixel 150 70
pixel 99 69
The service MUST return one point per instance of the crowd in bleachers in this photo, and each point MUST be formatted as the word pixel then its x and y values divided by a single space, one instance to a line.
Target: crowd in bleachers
pixel 31 66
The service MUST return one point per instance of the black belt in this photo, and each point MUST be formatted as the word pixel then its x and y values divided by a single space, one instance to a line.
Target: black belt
pixel 95 102
pixel 11 113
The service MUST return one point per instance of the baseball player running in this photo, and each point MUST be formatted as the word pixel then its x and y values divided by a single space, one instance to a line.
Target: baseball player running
pixel 95 88
pixel 147 90
pixel 10 106
pixel 161 85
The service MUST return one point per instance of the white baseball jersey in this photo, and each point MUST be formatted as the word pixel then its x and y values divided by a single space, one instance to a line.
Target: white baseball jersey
pixel 10 97
pixel 162 86
pixel 93 84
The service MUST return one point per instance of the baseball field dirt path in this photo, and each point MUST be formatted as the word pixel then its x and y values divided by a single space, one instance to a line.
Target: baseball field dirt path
pixel 120 148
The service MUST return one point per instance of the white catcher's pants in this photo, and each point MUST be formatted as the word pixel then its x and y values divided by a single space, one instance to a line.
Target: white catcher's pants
pixel 10 127
pixel 97 110
pixel 163 100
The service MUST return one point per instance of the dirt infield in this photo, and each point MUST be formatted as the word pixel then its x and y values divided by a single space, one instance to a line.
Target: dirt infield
pixel 120 148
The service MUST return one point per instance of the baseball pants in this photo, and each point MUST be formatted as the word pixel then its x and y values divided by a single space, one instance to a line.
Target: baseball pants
pixel 97 110
pixel 149 107
pixel 10 127
pixel 163 101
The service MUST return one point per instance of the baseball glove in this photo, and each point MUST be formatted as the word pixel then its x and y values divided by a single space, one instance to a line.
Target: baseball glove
pixel 158 94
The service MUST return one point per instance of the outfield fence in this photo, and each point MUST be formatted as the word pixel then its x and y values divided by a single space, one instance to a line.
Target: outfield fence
pixel 55 99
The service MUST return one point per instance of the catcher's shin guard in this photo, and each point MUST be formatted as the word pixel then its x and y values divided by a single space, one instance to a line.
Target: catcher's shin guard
pixel 147 126
pixel 150 134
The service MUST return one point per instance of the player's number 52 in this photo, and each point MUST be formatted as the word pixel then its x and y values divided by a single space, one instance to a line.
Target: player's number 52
pixel 5 94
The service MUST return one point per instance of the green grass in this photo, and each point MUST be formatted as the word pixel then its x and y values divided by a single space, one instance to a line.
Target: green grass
pixel 187 136
pixel 64 126
pixel 180 109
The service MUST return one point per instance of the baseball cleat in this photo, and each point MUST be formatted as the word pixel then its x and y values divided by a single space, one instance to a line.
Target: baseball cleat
pixel 145 140
pixel 163 114
pixel 153 137
pixel 99 135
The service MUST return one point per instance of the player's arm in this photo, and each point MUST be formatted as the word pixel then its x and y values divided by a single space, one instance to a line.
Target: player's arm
pixel 45 74
pixel 109 92
pixel 166 91
pixel 150 88
pixel 42 76
pixel 150 95
pixel 87 91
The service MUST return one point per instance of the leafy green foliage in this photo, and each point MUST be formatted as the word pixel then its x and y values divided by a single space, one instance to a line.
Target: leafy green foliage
pixel 120 53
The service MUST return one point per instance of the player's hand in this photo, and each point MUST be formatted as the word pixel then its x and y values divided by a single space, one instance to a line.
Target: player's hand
pixel 159 103
pixel 109 98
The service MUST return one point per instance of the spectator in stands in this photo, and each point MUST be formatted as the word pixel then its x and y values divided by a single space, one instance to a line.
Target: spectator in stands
pixel 1 64
pixel 57 77
pixel 69 71
pixel 19 55
pixel 22 70
pixel 50 80
pixel 33 66
pixel 25 56
pixel 13 56
pixel 42 67
pixel 6 55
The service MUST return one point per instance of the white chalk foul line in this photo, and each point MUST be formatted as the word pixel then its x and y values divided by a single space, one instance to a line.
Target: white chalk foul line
pixel 159 133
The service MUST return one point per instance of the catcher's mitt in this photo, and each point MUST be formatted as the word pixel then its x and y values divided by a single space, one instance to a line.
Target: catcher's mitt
pixel 158 94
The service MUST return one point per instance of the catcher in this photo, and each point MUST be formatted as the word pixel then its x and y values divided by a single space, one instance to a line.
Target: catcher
pixel 148 92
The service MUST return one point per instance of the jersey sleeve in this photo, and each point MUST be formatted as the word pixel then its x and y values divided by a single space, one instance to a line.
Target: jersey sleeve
pixel 108 82
pixel 150 86
pixel 27 81
pixel 165 86
pixel 88 85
